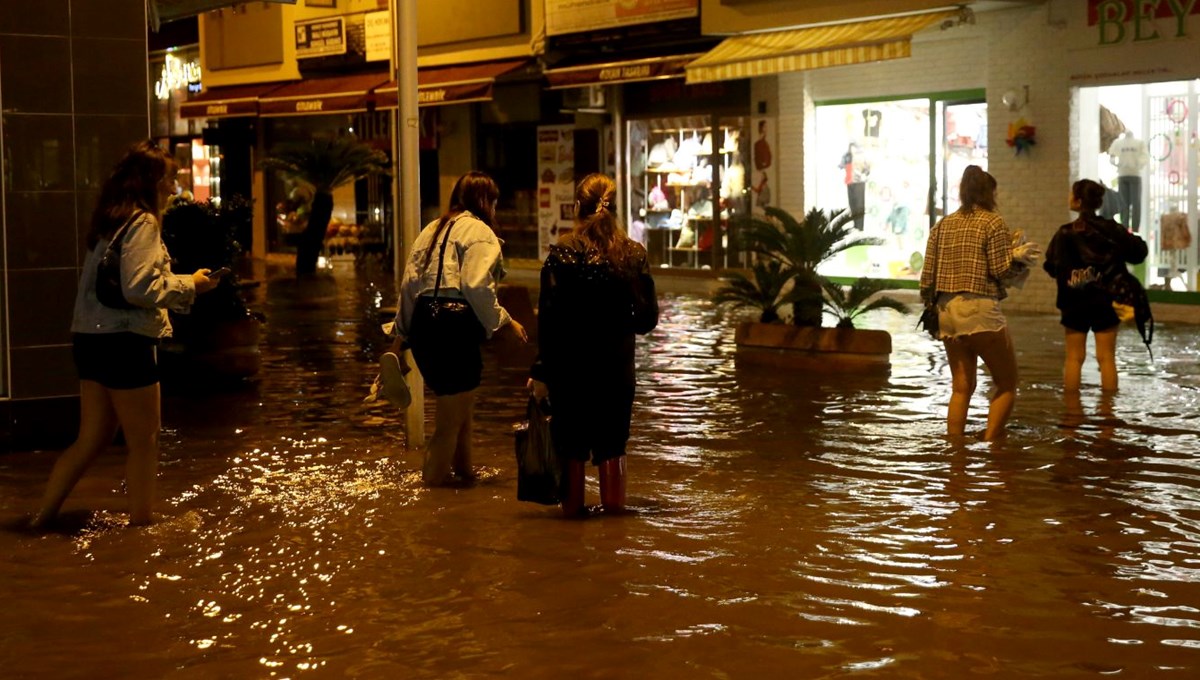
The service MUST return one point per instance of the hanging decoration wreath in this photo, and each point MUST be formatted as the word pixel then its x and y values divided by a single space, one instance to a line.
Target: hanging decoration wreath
pixel 1022 135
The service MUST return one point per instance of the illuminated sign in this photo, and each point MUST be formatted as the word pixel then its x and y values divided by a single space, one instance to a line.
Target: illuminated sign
pixel 177 74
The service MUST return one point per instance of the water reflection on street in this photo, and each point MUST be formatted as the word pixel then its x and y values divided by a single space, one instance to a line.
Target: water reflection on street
pixel 820 527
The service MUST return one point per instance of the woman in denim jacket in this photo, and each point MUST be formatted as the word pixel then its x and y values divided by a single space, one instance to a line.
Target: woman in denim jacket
pixel 471 268
pixel 114 349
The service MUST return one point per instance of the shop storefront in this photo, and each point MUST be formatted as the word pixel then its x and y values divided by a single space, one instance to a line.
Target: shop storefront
pixel 178 75
pixel 692 170
pixel 1041 95
pixel 894 165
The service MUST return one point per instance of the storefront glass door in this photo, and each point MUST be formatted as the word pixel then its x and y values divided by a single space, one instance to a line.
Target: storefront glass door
pixel 1140 141
pixel 895 166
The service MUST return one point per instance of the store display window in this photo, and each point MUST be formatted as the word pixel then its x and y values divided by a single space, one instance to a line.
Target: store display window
pixel 895 166
pixel 687 183
pixel 1139 141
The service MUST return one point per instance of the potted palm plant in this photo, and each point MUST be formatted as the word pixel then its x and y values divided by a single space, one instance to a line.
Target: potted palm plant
pixel 322 165
pixel 802 246
pixel 788 253
pixel 218 340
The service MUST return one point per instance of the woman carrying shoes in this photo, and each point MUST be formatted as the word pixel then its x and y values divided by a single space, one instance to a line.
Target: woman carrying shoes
pixel 596 294
pixel 456 258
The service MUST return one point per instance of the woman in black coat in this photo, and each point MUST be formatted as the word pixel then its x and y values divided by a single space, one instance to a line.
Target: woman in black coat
pixel 1085 257
pixel 596 294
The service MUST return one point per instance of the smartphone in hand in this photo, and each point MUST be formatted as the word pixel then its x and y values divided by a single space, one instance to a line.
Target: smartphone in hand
pixel 218 273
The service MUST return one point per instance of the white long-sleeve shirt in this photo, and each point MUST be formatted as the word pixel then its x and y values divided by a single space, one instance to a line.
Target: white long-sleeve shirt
pixel 472 270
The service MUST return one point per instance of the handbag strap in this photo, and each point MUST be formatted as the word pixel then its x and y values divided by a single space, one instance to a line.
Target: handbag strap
pixel 937 252
pixel 437 284
pixel 115 242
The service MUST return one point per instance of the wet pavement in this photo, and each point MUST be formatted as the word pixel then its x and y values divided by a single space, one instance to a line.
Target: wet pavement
pixel 799 525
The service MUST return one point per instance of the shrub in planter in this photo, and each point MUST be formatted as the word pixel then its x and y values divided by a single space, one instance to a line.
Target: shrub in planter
pixel 218 339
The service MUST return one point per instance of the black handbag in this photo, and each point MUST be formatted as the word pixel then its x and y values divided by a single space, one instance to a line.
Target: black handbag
pixel 538 473
pixel 109 289
pixel 929 321
pixel 436 318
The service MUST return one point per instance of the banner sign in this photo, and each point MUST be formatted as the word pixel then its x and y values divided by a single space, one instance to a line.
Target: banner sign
pixel 320 37
pixel 556 184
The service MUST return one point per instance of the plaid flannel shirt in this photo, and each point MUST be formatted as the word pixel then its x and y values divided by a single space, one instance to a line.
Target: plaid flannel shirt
pixel 971 253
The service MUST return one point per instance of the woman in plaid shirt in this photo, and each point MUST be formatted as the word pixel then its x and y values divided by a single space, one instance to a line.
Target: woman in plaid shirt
pixel 969 253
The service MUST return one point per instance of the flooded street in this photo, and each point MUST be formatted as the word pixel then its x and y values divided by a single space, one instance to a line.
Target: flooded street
pixel 785 524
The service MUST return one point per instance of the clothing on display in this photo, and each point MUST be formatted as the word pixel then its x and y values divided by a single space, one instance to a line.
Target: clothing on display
pixel 1130 189
pixel 1130 156
pixel 871 121
pixel 1173 232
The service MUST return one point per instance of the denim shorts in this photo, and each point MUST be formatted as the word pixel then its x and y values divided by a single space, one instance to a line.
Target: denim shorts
pixel 967 313
pixel 118 361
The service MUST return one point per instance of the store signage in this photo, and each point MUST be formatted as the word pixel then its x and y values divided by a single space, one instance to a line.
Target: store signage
pixel 669 67
pixel 216 109
pixel 1119 21
pixel 377 28
pixel 320 37
pixel 574 16
pixel 177 74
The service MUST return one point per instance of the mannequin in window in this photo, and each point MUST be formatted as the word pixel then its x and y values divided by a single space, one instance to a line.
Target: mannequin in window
pixel 856 170
pixel 762 148
pixel 1129 155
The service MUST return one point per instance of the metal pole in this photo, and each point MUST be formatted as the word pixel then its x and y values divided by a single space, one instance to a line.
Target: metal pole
pixel 406 181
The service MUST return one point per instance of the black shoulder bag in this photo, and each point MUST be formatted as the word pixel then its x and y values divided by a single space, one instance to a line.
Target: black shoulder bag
pixel 109 289
pixel 929 317
pixel 437 317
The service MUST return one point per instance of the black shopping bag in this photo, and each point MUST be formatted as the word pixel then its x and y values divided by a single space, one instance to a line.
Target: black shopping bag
pixel 537 464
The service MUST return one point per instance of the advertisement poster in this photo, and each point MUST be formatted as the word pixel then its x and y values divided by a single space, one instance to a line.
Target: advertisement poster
pixel 573 16
pixel 556 183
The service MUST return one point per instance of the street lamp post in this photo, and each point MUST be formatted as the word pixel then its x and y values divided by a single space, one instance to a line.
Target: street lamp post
pixel 406 183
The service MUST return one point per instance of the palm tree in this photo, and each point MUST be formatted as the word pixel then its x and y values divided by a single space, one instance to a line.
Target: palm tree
pixel 764 293
pixel 847 305
pixel 802 247
pixel 324 165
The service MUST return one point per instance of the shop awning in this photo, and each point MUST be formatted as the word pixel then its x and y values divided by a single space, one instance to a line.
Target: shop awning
pixel 653 68
pixel 315 96
pixel 437 85
pixel 224 102
pixel 859 42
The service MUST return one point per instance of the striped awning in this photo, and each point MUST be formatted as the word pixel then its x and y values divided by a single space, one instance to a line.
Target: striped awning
pixel 860 42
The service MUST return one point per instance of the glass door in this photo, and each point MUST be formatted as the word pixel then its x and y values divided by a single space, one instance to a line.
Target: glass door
pixel 962 127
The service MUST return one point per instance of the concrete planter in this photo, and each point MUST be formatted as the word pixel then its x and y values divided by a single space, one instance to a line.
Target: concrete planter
pixel 828 350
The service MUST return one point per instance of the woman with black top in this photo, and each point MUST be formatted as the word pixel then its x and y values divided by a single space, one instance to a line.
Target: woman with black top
pixel 596 294
pixel 1082 256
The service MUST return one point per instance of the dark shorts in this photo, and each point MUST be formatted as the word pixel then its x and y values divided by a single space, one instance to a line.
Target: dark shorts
pixel 118 361
pixel 1093 316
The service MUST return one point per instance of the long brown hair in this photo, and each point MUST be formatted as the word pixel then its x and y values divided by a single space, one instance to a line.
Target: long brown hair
pixel 474 192
pixel 132 186
pixel 976 190
pixel 595 216
pixel 1090 195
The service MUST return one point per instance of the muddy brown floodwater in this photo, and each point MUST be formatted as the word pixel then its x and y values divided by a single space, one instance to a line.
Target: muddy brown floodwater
pixel 785 525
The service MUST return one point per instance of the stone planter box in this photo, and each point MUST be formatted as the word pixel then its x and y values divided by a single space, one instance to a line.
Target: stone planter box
pixel 828 350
